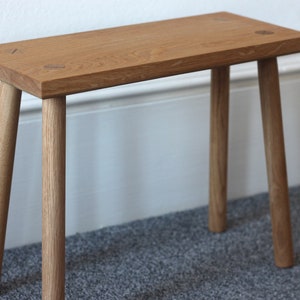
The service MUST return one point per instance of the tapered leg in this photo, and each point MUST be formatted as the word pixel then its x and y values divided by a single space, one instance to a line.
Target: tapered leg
pixel 276 165
pixel 10 98
pixel 53 241
pixel 218 148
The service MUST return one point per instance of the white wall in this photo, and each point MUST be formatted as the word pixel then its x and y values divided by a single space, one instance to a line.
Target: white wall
pixel 23 19
pixel 142 150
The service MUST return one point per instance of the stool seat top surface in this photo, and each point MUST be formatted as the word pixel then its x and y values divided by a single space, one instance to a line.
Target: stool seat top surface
pixel 67 64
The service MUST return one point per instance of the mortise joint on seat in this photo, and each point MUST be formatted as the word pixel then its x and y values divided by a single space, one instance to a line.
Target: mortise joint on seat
pixel 73 63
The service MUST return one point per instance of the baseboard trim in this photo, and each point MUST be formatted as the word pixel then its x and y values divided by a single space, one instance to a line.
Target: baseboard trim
pixel 289 64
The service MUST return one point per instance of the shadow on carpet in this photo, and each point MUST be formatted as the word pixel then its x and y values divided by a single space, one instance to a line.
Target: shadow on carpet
pixel 169 257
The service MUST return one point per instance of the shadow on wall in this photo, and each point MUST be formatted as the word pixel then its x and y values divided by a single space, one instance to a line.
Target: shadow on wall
pixel 149 158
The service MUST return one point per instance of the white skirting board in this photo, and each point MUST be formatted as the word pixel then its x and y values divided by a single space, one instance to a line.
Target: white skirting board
pixel 142 150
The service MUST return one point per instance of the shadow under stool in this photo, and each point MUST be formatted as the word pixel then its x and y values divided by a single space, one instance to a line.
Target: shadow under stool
pixel 54 67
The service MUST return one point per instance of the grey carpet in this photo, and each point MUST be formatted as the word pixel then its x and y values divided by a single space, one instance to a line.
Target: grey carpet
pixel 169 257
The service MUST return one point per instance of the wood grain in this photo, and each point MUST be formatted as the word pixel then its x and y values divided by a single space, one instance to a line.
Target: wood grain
pixel 51 68
pixel 9 115
pixel 276 165
pixel 219 111
pixel 73 63
pixel 53 240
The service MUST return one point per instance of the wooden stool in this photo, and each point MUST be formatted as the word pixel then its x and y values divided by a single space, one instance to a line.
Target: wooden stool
pixel 54 67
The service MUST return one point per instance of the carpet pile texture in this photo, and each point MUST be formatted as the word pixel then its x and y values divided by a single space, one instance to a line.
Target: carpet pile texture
pixel 169 257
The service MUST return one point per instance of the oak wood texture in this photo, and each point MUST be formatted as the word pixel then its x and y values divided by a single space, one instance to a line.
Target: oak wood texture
pixel 62 65
pixel 276 165
pixel 10 98
pixel 219 111
pixel 51 68
pixel 53 237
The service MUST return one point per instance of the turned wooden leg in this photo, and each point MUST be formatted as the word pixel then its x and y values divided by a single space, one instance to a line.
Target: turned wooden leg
pixel 218 148
pixel 10 98
pixel 53 241
pixel 276 165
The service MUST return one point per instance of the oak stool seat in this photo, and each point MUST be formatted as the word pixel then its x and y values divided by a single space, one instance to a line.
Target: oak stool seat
pixel 54 67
